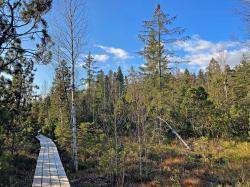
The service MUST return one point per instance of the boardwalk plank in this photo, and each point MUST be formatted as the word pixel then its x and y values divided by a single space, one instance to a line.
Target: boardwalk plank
pixel 49 168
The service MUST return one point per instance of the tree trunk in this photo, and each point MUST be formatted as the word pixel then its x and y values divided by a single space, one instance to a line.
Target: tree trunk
pixel 73 112
pixel 73 121
pixel 145 147
pixel 139 142
pixel 160 66
pixel 116 145
pixel 225 86
pixel 177 135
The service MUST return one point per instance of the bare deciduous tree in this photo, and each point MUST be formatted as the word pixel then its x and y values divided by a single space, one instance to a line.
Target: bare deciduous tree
pixel 70 37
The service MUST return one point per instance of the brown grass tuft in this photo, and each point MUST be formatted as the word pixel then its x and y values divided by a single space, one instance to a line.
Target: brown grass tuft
pixel 171 162
pixel 194 182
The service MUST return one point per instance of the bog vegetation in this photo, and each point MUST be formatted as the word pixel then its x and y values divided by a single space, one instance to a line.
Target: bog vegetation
pixel 112 123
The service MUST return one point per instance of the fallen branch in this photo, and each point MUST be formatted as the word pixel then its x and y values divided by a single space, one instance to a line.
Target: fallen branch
pixel 174 131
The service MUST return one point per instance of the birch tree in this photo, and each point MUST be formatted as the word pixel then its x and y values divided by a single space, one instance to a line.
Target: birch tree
pixel 70 39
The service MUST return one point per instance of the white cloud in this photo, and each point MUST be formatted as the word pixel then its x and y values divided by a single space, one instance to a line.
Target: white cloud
pixel 143 65
pixel 101 58
pixel 117 52
pixel 199 51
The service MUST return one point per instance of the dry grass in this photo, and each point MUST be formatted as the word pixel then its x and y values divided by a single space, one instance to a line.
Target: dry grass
pixel 173 161
pixel 172 165
pixel 191 182
pixel 211 163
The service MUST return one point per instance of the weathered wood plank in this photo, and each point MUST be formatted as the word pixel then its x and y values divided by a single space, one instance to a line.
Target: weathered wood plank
pixel 49 168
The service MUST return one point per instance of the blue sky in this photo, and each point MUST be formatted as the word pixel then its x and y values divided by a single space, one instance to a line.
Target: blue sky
pixel 114 25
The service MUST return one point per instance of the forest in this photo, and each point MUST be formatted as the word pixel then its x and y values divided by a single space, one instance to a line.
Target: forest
pixel 154 125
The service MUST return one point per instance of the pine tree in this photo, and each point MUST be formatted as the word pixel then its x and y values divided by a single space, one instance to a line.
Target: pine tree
pixel 44 116
pixel 17 96
pixel 196 109
pixel 22 20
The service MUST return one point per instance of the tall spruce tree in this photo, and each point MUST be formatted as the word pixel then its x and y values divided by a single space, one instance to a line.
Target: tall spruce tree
pixel 60 104
pixel 88 65
pixel 119 82
pixel 157 35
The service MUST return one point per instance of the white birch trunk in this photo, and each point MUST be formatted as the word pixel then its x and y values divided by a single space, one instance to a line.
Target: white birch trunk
pixel 177 135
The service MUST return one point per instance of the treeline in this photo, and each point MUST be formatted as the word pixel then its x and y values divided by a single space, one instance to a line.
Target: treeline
pixel 214 103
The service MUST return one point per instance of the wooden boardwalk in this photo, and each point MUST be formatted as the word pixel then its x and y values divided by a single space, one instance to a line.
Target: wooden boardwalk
pixel 49 168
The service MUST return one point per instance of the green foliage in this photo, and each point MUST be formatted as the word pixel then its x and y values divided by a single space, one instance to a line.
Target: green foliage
pixel 91 140
pixel 21 20
pixel 18 118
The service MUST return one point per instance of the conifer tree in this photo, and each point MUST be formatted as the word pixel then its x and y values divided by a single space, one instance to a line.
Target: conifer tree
pixel 88 65
pixel 239 110
pixel 157 35
pixel 22 20
pixel 119 82
pixel 60 100
pixel 17 96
